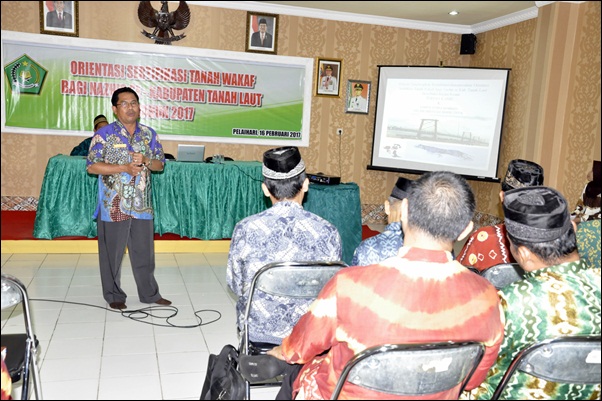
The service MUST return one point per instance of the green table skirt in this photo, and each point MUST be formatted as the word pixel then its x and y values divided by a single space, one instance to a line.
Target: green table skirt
pixel 194 200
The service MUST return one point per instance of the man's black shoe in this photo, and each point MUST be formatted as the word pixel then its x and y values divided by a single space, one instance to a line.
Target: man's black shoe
pixel 117 305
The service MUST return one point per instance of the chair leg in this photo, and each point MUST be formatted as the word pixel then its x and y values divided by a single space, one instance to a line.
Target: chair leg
pixel 35 374
pixel 31 365
pixel 30 372
pixel 25 379
pixel 248 390
pixel 26 371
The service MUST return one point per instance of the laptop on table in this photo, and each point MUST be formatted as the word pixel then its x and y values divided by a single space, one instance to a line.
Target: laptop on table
pixel 191 153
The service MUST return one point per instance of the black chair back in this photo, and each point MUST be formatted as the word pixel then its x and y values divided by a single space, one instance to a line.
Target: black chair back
pixel 298 280
pixel 503 274
pixel 412 369
pixel 568 359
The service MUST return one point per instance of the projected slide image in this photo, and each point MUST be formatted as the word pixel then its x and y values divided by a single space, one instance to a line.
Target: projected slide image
pixel 434 118
pixel 437 153
pixel 442 110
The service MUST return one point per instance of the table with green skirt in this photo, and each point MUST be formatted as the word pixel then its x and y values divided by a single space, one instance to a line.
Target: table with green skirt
pixel 194 200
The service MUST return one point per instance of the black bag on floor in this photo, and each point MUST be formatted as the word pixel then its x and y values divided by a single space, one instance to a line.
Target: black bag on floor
pixel 223 381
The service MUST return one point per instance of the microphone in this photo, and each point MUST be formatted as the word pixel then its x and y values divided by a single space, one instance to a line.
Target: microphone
pixel 137 149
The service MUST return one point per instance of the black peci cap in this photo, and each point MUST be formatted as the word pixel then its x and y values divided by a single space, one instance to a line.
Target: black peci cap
pixel 522 173
pixel 535 214
pixel 282 163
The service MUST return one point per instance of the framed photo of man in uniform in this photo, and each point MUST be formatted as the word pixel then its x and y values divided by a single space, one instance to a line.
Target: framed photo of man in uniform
pixel 328 77
pixel 59 18
pixel 262 33
pixel 358 96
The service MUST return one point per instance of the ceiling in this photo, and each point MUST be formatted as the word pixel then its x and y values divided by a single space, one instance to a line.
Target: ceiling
pixel 473 17
pixel 470 12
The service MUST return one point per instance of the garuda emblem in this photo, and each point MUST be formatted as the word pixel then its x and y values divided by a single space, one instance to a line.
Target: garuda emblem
pixel 164 22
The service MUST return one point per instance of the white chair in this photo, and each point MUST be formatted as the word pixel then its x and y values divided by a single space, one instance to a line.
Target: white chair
pixel 568 359
pixel 20 348
pixel 412 369
pixel 294 280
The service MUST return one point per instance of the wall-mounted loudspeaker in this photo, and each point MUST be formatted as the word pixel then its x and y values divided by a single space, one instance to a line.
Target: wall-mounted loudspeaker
pixel 468 44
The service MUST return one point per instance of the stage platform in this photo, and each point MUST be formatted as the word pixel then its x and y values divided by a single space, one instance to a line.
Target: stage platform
pixel 17 237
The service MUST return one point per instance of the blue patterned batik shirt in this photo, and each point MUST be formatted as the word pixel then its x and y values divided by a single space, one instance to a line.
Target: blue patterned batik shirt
pixel 122 196
pixel 283 233
pixel 380 247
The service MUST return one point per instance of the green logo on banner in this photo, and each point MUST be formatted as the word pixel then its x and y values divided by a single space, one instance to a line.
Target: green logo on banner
pixel 25 75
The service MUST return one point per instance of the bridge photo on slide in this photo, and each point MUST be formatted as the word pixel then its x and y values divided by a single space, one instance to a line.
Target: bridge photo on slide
pixel 429 130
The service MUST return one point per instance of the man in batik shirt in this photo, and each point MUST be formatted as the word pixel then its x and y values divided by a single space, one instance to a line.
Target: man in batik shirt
pixel 488 246
pixel 283 233
pixel 559 295
pixel 123 155
pixel 421 295
pixel 386 244
pixel 588 242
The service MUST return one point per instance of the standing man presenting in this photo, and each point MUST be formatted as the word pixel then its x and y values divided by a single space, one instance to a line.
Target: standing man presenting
pixel 123 154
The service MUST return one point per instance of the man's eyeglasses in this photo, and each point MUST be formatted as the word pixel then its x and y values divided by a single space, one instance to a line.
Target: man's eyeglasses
pixel 125 105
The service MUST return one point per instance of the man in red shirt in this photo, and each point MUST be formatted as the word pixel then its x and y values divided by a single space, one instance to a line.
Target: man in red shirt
pixel 417 296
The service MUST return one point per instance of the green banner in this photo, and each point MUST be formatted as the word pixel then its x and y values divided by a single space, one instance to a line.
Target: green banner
pixel 57 85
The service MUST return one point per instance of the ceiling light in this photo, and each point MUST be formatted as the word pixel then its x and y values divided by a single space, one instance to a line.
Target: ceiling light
pixel 454 12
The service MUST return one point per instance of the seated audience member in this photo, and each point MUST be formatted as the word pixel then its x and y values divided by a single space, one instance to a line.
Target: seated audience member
pixel 84 146
pixel 559 295
pixel 418 296
pixel 588 242
pixel 588 206
pixel 284 232
pixel 488 245
pixel 387 243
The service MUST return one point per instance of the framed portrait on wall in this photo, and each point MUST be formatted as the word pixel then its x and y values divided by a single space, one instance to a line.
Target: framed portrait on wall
pixel 328 77
pixel 59 18
pixel 262 33
pixel 358 96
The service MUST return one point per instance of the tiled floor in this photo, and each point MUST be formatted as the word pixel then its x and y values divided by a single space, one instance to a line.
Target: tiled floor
pixel 91 352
